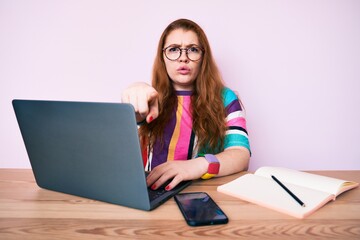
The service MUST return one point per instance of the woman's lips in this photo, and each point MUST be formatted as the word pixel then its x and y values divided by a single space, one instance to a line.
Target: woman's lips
pixel 183 70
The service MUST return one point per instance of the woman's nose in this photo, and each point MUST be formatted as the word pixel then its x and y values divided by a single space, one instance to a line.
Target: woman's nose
pixel 183 57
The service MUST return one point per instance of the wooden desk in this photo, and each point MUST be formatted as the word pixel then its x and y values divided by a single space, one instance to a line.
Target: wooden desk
pixel 28 212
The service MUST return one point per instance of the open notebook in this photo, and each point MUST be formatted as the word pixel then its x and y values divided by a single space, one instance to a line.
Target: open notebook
pixel 314 190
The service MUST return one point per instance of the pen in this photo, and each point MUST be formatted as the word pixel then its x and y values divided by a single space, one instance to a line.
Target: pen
pixel 288 191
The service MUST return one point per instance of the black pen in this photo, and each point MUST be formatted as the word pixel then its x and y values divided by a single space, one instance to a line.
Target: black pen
pixel 288 191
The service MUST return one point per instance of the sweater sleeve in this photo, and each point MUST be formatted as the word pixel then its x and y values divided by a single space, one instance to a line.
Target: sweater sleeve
pixel 236 134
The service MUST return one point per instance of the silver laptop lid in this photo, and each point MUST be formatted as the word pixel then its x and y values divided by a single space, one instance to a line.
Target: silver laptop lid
pixel 86 149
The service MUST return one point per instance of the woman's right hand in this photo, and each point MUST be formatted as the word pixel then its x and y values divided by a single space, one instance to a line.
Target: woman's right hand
pixel 144 98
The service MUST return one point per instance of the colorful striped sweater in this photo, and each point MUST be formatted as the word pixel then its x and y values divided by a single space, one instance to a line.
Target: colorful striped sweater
pixel 179 140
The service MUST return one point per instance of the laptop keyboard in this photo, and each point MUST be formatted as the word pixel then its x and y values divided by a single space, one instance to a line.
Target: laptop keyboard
pixel 153 194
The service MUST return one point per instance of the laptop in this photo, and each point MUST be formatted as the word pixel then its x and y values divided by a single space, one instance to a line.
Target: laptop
pixel 88 149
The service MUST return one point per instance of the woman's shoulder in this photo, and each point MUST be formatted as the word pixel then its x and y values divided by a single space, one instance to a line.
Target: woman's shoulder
pixel 228 96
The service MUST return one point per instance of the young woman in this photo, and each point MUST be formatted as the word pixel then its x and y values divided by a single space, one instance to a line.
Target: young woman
pixel 191 125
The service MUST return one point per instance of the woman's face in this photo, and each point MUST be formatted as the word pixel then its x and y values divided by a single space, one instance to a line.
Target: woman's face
pixel 183 71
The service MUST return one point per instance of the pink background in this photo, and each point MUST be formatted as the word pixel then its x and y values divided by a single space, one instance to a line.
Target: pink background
pixel 296 65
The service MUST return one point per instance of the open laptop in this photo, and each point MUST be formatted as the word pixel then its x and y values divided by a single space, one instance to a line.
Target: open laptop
pixel 88 149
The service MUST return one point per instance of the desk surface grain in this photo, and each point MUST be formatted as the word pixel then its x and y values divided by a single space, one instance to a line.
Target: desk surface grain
pixel 29 212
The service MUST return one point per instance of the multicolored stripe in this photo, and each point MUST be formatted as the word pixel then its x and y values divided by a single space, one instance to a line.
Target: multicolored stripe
pixel 236 134
pixel 177 134
pixel 179 143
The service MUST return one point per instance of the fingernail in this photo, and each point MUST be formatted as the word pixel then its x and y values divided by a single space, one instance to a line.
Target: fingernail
pixel 167 188
pixel 153 187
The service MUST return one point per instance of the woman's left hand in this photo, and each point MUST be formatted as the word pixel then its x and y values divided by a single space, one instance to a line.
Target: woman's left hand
pixel 176 171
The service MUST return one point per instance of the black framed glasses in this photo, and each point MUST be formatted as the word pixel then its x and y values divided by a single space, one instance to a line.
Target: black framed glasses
pixel 173 53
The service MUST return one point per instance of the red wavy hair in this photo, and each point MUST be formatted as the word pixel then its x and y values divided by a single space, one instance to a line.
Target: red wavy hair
pixel 207 105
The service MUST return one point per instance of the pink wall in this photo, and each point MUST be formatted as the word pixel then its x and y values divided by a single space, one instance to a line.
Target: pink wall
pixel 296 65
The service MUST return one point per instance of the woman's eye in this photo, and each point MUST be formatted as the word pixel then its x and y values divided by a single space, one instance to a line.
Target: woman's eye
pixel 173 49
pixel 193 49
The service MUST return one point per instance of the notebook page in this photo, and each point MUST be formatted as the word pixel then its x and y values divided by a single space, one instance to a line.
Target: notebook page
pixel 267 193
pixel 313 181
